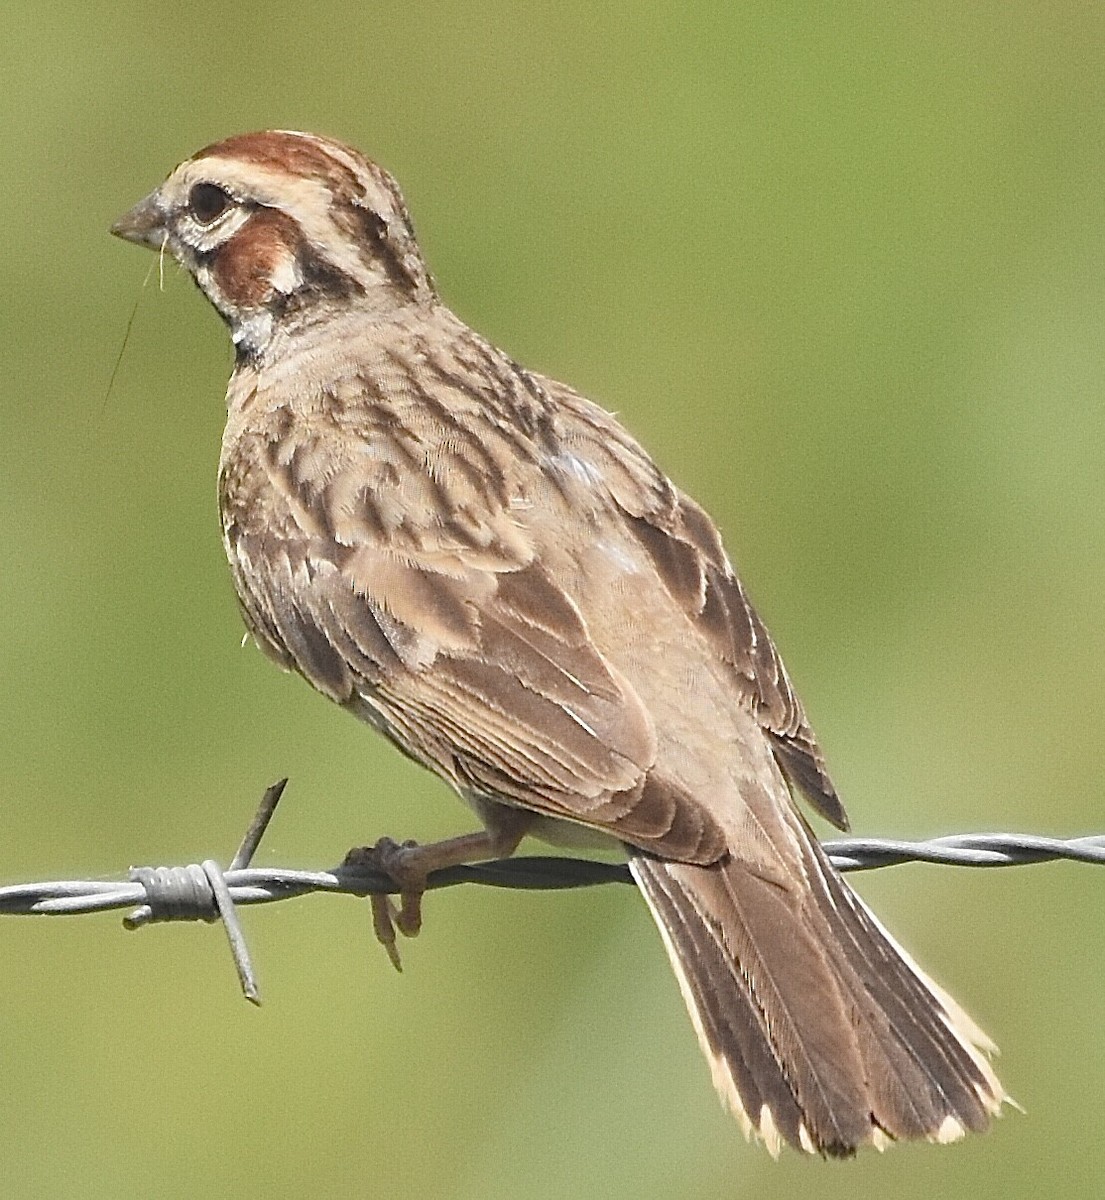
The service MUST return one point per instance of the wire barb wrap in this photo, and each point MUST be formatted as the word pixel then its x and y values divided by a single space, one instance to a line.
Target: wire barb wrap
pixel 173 894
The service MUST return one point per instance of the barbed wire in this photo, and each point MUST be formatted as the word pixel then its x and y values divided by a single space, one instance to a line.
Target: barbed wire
pixel 208 892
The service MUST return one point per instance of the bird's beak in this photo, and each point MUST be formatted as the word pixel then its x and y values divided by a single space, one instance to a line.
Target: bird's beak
pixel 144 224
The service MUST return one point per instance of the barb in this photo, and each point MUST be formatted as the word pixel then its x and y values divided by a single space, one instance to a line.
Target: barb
pixel 205 892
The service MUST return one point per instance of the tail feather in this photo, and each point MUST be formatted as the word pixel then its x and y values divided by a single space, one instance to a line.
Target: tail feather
pixel 821 1033
pixel 744 1069
pixel 924 1032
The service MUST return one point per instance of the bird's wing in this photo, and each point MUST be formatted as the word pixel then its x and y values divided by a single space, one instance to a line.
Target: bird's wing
pixel 686 550
pixel 687 553
pixel 437 621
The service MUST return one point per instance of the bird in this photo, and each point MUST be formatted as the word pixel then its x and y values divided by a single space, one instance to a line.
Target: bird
pixel 486 567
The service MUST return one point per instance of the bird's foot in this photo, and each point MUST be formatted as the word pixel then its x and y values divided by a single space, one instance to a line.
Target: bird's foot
pixel 400 862
pixel 409 864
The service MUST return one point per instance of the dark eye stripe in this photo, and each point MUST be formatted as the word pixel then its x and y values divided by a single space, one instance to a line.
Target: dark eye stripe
pixel 207 202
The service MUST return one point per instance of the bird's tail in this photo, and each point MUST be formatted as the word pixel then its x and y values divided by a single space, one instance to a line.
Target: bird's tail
pixel 820 1031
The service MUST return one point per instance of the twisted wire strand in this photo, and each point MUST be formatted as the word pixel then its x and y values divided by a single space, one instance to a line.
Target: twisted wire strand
pixel 207 892
pixel 182 893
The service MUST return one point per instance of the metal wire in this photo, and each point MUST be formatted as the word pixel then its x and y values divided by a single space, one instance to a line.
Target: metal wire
pixel 205 892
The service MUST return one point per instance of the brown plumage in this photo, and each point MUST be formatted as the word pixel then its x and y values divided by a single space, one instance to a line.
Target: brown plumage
pixel 485 566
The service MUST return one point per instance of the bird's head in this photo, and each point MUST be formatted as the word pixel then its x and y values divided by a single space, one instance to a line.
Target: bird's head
pixel 279 229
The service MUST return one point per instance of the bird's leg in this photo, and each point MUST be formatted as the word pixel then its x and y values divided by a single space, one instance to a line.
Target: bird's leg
pixel 409 864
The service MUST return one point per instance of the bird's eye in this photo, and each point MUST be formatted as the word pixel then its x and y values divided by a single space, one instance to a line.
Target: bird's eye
pixel 207 202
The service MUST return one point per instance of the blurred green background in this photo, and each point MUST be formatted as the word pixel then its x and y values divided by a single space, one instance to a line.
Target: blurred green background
pixel 843 269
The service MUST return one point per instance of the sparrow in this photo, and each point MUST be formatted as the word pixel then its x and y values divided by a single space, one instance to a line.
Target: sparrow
pixel 485 566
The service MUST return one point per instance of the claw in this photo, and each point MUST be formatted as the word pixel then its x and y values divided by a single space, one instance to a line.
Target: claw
pixel 383 925
pixel 408 920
